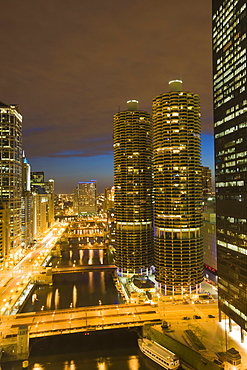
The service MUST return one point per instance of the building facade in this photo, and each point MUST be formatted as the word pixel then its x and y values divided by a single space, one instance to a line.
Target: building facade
pixel 209 239
pixel 26 204
pixel 11 169
pixel 85 197
pixel 133 190
pixel 206 181
pixel 108 199
pixel 42 203
pixel 230 129
pixel 4 233
pixel 178 251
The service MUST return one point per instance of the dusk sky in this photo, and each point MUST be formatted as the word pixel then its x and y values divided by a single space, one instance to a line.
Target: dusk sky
pixel 71 65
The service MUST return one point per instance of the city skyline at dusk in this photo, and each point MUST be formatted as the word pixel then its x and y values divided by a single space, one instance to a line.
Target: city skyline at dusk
pixel 70 69
pixel 123 184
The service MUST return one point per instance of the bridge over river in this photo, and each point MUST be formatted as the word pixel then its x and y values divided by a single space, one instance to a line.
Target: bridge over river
pixel 74 320
pixel 81 268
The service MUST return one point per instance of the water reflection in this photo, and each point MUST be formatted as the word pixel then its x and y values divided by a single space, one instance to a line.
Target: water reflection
pixel 81 256
pixel 102 282
pixel 90 258
pixel 70 365
pixel 133 363
pixel 74 296
pixel 101 256
pixel 48 300
pixel 90 282
pixel 57 299
pixel 38 367
pixel 101 365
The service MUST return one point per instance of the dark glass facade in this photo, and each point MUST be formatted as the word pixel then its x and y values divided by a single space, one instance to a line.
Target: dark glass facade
pixel 133 190
pixel 230 126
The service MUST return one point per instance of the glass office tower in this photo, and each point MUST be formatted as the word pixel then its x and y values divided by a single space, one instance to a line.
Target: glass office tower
pixel 133 190
pixel 230 127
pixel 178 250
pixel 11 169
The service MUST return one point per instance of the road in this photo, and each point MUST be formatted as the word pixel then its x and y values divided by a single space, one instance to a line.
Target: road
pixel 46 323
pixel 13 281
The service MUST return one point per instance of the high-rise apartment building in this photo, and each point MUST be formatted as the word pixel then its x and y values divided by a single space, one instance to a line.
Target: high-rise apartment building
pixel 230 127
pixel 178 251
pixel 133 190
pixel 11 168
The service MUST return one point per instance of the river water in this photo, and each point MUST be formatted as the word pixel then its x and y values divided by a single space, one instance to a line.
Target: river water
pixel 104 350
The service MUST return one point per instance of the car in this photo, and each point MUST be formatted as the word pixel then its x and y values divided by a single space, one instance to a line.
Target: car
pixel 186 318
pixel 218 362
pixel 211 316
pixel 164 325
pixel 196 317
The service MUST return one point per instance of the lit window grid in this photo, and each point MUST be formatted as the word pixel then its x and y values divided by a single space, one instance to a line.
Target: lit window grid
pixel 133 191
pixel 177 190
pixel 229 69
pixel 11 168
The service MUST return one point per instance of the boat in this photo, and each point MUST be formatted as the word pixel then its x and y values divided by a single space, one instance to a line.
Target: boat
pixel 159 354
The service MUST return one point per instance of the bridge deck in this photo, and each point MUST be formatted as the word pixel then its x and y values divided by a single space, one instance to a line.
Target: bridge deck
pixel 76 320
pixel 70 269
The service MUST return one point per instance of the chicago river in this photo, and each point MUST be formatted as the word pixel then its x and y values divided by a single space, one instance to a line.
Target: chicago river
pixel 109 349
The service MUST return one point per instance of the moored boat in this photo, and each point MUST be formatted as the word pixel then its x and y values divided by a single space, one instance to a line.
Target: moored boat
pixel 159 354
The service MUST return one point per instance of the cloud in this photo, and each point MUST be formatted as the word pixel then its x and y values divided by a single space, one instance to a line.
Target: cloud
pixel 72 65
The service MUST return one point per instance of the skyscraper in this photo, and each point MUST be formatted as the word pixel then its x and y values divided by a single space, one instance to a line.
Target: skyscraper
pixel 11 168
pixel 85 197
pixel 230 128
pixel 133 190
pixel 178 250
pixel 43 202
pixel 206 181
pixel 27 204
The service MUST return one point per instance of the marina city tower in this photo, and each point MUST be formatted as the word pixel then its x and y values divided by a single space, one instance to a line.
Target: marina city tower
pixel 178 251
pixel 133 190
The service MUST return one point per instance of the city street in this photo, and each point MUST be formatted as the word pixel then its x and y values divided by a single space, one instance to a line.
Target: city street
pixel 14 280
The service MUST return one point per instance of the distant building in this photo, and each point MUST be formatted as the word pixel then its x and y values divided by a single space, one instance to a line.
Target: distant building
pixel 206 181
pixel 178 250
pixel 11 169
pixel 63 204
pixel 26 205
pixel 108 198
pixel 209 239
pixel 38 177
pixel 43 203
pixel 85 197
pixel 4 232
pixel 133 190
pixel 230 131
